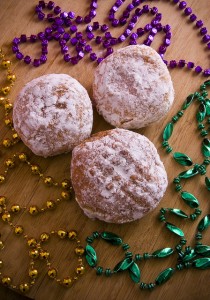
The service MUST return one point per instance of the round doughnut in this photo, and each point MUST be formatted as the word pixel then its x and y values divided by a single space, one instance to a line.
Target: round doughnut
pixel 132 87
pixel 117 176
pixel 52 114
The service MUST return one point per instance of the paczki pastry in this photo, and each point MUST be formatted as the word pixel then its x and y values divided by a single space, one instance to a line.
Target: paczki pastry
pixel 52 114
pixel 117 176
pixel 132 87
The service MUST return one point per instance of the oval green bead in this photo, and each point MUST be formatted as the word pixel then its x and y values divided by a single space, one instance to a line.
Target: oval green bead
pixel 200 116
pixel 188 101
pixel 207 82
pixel 168 131
pixel 178 213
pixel 90 256
pixel 189 256
pixel 174 229
pixel 189 173
pixel 111 238
pixel 203 250
pixel 206 147
pixel 163 252
pixel 123 265
pixel 204 223
pixel 190 199
pixel 134 272
pixel 202 263
pixel 208 107
pixel 207 182
pixel 182 159
pixel 164 276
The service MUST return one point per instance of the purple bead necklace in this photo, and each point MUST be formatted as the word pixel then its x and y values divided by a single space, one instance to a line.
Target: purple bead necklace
pixel 64 29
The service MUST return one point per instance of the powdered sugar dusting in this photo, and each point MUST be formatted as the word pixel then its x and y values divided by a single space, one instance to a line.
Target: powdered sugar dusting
pixel 117 176
pixel 132 87
pixel 52 114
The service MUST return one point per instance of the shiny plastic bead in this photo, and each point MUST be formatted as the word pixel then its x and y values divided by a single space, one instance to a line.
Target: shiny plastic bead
pixel 33 210
pixel 169 149
pixel 201 126
pixel 138 257
pixel 99 271
pixel 204 133
pixel 5 90
pixel 162 218
pixel 189 173
pixel 34 253
pixel 6 217
pixel 8 107
pixel 32 242
pixel 2 178
pixel 11 77
pixel 178 187
pixel 6 281
pixel 62 234
pixel 180 114
pixel 22 157
pixel 123 265
pixel 164 276
pixel 165 144
pixel 190 199
pixel 72 235
pixel 90 256
pixel 188 101
pixel 33 273
pixel 80 270
pixel 50 204
pixel 182 159
pixel 134 272
pixel 48 180
pixel 2 200
pixel 198 236
pixel 128 254
pixel 174 229
pixel 79 250
pixel 178 213
pixel 176 180
pixel 168 130
pixel 9 163
pixel 52 273
pixel 24 287
pixel 96 234
pixel 204 223
pixel 35 169
pixel 44 254
pixel 202 263
pixel 111 238
pixel 44 237
pixel 65 184
pixel 161 253
pixel 18 230
pixel 206 147
pixel 65 195
pixel 89 239
pixel 67 282
pixel 125 246
pixel 183 241
pixel 6 143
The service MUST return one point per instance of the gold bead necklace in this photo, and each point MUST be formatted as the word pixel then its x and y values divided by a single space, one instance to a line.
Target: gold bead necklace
pixel 8 211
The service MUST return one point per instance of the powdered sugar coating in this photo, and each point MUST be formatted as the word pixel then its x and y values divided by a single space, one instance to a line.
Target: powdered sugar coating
pixel 132 87
pixel 117 176
pixel 52 114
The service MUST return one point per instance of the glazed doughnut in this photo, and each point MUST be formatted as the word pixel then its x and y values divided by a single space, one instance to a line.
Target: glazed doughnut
pixel 52 114
pixel 132 87
pixel 117 176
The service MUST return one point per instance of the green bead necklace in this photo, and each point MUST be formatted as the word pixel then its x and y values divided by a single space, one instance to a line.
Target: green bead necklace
pixel 197 257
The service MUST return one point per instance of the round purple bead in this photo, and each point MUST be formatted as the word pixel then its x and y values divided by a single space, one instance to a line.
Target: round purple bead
pixel 92 14
pixel 126 14
pixel 145 9
pixel 41 16
pixel 118 3
pixel 36 62
pixel 95 25
pixel 106 43
pixel 127 32
pixel 64 15
pixel 73 28
pixel 99 60
pixel 98 40
pixel 41 36
pixel 80 54
pixel 108 35
pixel 61 30
pixel 206 72
pixel 136 2
pixel 158 17
pixel 140 31
pixel 50 17
pixel 176 1
pixel 190 65
pixel 50 5
pixel 48 30
pixel 154 10
pixel 153 31
pixel 148 27
pixel 188 11
pixel 162 49
pixel 115 23
pixel 203 31
pixel 87 19
pixel 109 51
pixel 74 41
pixel 88 48
pixel 133 42
pixel 168 35
pixel 138 12
pixel 130 7
pixel 78 19
pixel 122 38
pixel 79 35
pixel 62 42
pixel 134 36
pixel 167 42
pixel 66 36
pixel 19 55
pixel 90 35
pixel 104 27
pixel 23 38
pixel 199 23
pixel 43 59
pixel 27 59
pixel 57 10
pixel 123 21
pixel 172 64
pixel 131 25
pixel 181 63
pixel 15 49
pixel 182 4
pixel 159 27
pixel 74 60
pixel 167 28
pixel 64 49
pixel 71 15
pixel 206 38
pixel 33 38
pixel 198 69
pixel 193 17
pixel 94 5
pixel 114 9
pixel 93 56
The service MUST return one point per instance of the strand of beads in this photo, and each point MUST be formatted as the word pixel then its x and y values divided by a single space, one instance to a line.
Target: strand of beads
pixel 61 22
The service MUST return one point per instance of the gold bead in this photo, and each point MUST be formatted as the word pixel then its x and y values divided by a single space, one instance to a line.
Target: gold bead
pixel 79 250
pixel 11 77
pixel 2 178
pixel 34 253
pixel 65 195
pixel 52 273
pixel 1 245
pixel 15 137
pixel 44 237
pixel 33 210
pixel 6 217
pixel 62 233
pixel 35 169
pixel 5 90
pixel 50 204
pixel 18 230
pixel 6 63
pixel 72 234
pixel 33 273
pixel 8 122
pixel 80 270
pixel 6 281
pixel 9 163
pixel 65 184
pixel 22 157
pixel 67 282
pixel 1 263
pixel 24 287
pixel 48 180
pixel 32 242
pixel 8 107
pixel 2 100
pixel 2 200
pixel 15 208
pixel 7 143
pixel 44 254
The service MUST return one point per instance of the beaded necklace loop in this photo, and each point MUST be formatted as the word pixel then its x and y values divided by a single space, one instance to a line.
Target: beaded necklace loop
pixel 64 29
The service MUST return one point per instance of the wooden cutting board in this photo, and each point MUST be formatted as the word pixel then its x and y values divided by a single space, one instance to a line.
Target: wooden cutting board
pixel 145 235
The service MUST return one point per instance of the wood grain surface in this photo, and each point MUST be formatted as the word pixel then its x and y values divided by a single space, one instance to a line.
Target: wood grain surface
pixel 145 235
